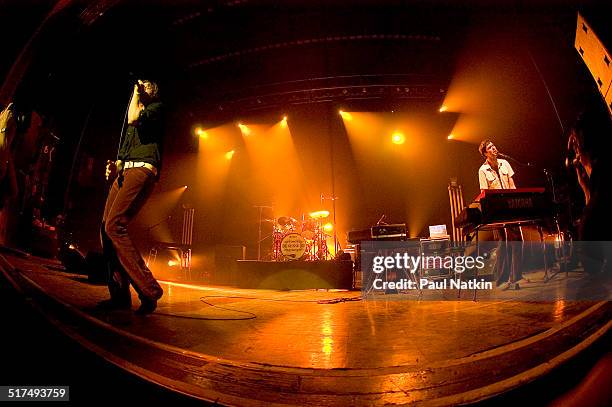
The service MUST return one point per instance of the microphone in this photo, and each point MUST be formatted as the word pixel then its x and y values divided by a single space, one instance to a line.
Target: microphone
pixel 507 157
pixel 140 84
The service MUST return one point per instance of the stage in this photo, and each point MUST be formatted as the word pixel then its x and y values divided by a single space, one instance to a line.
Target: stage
pixel 319 347
pixel 288 275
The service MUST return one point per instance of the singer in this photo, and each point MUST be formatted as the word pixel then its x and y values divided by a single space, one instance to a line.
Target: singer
pixel 496 173
pixel 135 172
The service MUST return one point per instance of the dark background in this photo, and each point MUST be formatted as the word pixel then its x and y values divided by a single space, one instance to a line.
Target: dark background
pixel 221 62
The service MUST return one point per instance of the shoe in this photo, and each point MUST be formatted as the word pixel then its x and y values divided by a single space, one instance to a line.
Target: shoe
pixel 112 305
pixel 147 306
pixel 503 286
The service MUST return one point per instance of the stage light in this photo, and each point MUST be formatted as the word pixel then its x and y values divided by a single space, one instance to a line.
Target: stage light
pixel 328 227
pixel 398 138
pixel 443 108
pixel 200 132
pixel 284 122
pixel 450 137
pixel 172 263
pixel 229 155
pixel 244 129
pixel 346 115
pixel 185 187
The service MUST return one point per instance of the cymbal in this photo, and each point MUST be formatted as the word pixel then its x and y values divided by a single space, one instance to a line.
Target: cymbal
pixel 319 214
pixel 286 220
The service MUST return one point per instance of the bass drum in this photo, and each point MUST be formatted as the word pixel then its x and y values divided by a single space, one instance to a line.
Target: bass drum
pixel 293 246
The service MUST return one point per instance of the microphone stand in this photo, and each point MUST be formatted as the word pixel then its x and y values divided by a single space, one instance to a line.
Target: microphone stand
pixel 153 247
pixel 519 163
pixel 332 198
pixel 259 239
pixel 127 109
pixel 553 192
pixel 548 176
pixel 549 180
pixel 556 216
pixel 121 136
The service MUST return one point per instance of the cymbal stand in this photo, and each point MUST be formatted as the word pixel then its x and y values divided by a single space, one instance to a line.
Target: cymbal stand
pixel 259 239
pixel 332 198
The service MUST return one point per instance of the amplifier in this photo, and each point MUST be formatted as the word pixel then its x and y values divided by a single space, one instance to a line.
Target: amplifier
pixel 435 246
pixel 356 236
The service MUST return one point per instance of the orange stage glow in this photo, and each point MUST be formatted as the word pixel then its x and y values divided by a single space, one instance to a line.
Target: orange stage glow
pixel 194 286
pixel 283 122
pixel 328 227
pixel 450 137
pixel 172 263
pixel 398 138
pixel 220 137
pixel 376 157
pixel 212 164
pixel 492 87
pixel 416 218
pixel 229 155
pixel 158 208
pixel 276 175
pixel 443 108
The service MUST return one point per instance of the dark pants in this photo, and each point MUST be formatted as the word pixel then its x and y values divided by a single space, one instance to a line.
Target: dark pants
pixel 509 255
pixel 125 264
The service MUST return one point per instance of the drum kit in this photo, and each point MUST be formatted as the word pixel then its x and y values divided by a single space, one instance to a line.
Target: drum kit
pixel 300 240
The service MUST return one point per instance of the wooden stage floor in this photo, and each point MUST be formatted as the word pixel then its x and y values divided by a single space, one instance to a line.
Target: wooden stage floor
pixel 256 347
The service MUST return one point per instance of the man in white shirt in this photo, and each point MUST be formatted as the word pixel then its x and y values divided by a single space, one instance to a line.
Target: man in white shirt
pixel 497 173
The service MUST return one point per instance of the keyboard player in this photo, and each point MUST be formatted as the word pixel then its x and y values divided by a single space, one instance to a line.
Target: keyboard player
pixel 497 173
